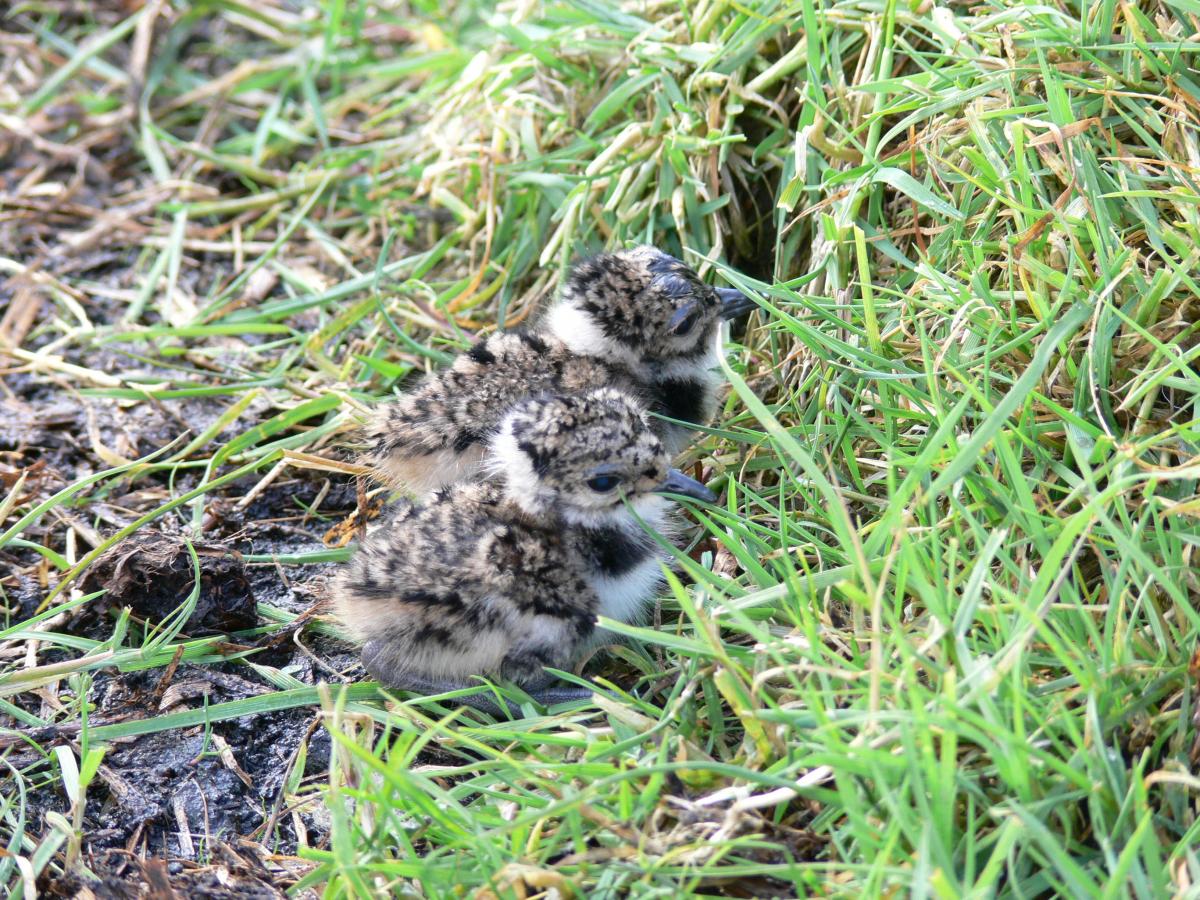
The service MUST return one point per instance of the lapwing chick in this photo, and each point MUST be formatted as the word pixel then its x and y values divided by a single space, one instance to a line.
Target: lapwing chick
pixel 504 577
pixel 637 320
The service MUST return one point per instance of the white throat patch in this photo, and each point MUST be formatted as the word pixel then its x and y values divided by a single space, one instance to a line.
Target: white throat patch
pixel 581 335
pixel 522 484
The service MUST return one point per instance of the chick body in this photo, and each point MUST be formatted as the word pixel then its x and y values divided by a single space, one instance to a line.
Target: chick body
pixel 505 577
pixel 469 585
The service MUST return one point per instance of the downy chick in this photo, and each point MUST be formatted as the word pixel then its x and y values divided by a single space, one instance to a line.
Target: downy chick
pixel 505 577
pixel 638 320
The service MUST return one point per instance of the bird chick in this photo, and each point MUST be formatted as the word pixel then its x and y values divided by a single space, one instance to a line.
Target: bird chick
pixel 505 577
pixel 637 320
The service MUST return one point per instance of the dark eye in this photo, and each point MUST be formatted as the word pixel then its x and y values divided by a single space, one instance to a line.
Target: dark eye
pixel 602 484
pixel 686 325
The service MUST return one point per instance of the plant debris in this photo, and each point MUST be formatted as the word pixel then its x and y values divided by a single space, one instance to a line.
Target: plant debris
pixel 153 574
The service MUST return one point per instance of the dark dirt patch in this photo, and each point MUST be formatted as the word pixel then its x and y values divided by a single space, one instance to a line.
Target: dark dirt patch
pixel 178 794
pixel 84 219
pixel 224 785
pixel 235 872
pixel 296 509
pixel 153 574
pixel 189 777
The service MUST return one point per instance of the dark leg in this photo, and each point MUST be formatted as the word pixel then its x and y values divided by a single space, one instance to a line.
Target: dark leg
pixel 549 696
pixel 538 684
pixel 482 697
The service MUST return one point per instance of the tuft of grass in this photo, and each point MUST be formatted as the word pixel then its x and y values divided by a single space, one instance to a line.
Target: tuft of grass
pixel 940 635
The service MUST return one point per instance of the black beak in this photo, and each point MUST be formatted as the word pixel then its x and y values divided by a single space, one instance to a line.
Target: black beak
pixel 734 303
pixel 678 483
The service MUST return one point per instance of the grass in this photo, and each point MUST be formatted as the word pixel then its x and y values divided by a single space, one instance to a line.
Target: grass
pixel 939 636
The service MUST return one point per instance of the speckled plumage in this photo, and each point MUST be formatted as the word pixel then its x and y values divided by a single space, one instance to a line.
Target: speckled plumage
pixel 505 577
pixel 637 320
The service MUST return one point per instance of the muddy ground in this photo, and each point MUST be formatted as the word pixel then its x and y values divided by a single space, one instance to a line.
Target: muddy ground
pixel 209 802
pixel 192 813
